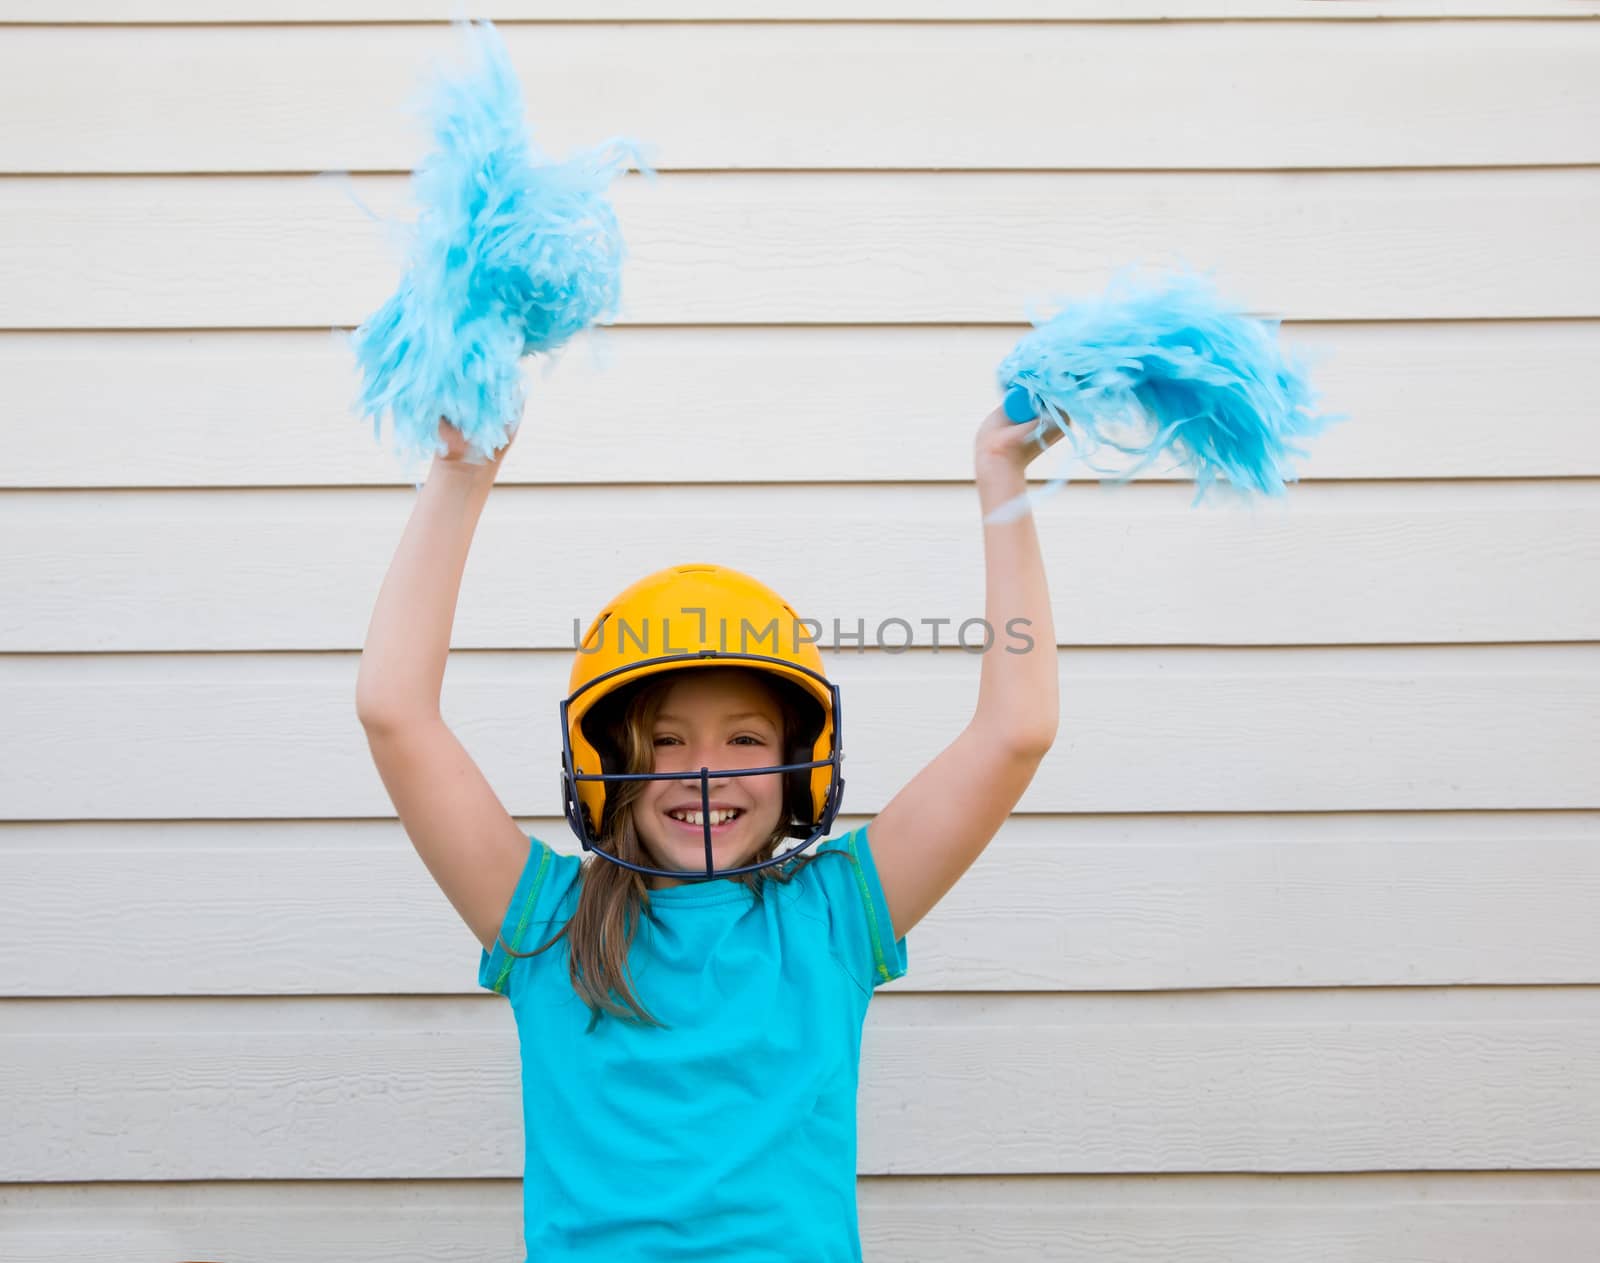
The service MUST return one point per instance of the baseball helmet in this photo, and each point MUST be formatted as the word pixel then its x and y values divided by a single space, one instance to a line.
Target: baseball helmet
pixel 695 609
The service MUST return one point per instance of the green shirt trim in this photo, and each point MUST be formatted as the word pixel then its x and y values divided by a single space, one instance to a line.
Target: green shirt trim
pixel 872 916
pixel 522 924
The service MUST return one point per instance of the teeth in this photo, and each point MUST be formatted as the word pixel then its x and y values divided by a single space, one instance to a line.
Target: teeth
pixel 694 817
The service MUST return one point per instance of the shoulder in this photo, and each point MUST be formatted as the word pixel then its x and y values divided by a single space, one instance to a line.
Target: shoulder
pixel 546 892
pixel 840 884
pixel 557 878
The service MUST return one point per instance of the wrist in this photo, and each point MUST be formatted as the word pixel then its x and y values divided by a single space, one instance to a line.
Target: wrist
pixel 999 475
pixel 999 486
pixel 463 470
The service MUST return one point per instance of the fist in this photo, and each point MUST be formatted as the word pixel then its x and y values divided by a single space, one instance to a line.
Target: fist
pixel 1002 441
pixel 456 446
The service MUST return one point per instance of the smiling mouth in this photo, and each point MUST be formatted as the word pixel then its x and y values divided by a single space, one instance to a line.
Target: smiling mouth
pixel 716 830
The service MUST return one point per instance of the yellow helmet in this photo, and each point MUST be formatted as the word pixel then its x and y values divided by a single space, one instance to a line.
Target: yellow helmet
pixel 705 616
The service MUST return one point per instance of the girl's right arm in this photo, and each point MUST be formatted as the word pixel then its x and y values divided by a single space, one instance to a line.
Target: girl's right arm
pixel 464 835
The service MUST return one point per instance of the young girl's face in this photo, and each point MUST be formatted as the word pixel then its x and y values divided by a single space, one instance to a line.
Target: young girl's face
pixel 715 719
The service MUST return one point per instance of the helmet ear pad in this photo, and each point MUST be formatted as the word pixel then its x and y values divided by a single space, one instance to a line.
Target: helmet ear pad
pixel 806 723
pixel 603 725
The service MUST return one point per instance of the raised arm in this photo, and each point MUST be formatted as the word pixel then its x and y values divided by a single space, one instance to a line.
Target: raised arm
pixel 464 835
pixel 933 830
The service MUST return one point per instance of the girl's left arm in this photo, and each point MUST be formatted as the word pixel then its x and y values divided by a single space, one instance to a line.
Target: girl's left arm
pixel 933 830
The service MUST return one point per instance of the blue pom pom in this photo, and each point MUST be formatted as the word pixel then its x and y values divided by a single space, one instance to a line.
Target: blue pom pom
pixel 1165 367
pixel 509 256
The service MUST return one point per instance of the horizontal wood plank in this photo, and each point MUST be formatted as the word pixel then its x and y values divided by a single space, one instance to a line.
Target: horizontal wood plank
pixel 255 12
pixel 1466 1217
pixel 275 736
pixel 866 404
pixel 744 95
pixel 1405 1080
pixel 841 248
pixel 1328 564
pixel 1056 903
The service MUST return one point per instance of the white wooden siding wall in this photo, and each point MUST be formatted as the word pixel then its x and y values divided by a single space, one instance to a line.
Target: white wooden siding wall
pixel 1291 949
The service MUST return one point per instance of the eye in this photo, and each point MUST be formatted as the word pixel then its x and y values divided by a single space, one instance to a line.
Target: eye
pixel 741 737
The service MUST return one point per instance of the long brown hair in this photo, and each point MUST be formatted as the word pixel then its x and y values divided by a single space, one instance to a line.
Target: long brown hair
pixel 612 900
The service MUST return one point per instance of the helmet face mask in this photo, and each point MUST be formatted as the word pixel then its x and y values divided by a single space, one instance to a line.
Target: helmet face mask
pixel 798 773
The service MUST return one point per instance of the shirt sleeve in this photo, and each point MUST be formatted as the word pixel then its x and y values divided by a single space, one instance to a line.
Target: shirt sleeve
pixel 859 912
pixel 497 970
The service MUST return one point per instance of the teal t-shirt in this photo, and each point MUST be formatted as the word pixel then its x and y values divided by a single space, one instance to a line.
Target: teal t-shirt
pixel 732 1135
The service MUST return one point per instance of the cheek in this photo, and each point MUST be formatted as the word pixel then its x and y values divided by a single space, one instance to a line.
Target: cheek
pixel 772 803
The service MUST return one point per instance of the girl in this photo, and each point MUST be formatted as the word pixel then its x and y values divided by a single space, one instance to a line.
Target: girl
pixel 690 998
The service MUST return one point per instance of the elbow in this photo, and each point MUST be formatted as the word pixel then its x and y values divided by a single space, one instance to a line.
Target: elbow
pixel 377 705
pixel 1033 745
pixel 1034 739
pixel 372 719
pixel 385 713
pixel 1024 742
pixel 377 721
pixel 370 709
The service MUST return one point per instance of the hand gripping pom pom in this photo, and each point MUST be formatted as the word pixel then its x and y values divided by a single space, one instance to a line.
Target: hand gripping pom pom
pixel 508 256
pixel 1167 363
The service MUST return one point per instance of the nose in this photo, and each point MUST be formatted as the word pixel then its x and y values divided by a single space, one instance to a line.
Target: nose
pixel 695 758
pixel 690 777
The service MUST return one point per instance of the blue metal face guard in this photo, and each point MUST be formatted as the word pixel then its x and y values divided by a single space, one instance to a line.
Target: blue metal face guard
pixel 570 776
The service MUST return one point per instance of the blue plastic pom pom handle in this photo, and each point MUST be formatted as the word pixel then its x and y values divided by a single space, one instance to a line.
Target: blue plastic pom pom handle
pixel 1019 404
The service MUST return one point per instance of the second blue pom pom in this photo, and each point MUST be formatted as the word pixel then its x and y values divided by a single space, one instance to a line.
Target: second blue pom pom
pixel 1190 376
